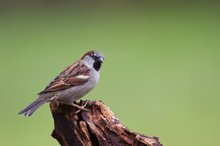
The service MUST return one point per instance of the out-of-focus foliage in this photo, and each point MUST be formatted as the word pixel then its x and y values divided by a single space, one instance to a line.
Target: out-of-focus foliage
pixel 161 75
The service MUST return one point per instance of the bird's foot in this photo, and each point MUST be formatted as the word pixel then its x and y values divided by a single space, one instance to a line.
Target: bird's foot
pixel 80 107
pixel 57 103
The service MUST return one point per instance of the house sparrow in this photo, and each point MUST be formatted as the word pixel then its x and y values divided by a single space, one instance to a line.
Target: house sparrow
pixel 71 84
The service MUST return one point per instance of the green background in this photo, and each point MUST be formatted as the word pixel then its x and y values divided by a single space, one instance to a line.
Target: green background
pixel 161 76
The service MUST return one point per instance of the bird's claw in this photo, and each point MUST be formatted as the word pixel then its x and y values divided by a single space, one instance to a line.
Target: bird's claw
pixel 80 107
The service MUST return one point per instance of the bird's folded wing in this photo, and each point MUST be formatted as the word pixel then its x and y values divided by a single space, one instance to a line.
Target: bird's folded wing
pixel 74 75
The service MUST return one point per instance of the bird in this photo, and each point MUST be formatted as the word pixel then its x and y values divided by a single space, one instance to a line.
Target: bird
pixel 74 82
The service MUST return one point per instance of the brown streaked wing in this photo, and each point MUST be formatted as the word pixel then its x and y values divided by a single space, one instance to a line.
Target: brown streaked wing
pixel 74 75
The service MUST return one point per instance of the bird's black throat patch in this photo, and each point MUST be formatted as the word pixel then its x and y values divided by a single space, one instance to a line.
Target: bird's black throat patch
pixel 97 65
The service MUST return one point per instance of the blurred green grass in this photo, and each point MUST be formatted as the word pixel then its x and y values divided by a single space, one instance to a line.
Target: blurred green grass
pixel 160 77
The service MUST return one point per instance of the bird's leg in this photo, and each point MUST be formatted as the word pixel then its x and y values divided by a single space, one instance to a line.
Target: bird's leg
pixel 56 101
pixel 81 107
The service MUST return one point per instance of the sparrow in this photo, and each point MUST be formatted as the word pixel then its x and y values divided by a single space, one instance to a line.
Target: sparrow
pixel 74 82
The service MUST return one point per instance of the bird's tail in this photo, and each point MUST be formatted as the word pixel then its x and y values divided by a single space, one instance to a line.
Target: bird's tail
pixel 31 108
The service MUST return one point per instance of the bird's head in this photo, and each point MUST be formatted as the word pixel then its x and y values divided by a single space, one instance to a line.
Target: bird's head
pixel 94 59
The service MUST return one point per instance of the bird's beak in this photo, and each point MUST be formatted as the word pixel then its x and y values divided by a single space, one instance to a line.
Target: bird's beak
pixel 101 59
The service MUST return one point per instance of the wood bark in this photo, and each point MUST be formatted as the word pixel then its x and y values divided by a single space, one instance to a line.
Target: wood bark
pixel 96 127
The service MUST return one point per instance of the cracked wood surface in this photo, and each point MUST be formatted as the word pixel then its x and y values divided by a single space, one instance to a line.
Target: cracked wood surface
pixel 98 127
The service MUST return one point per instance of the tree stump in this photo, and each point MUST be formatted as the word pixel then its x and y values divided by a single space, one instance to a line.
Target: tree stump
pixel 96 127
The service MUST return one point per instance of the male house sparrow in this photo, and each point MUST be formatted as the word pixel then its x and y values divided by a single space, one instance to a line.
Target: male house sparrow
pixel 71 84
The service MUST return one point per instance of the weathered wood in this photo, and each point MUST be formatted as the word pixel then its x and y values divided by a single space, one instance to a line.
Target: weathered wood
pixel 98 127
